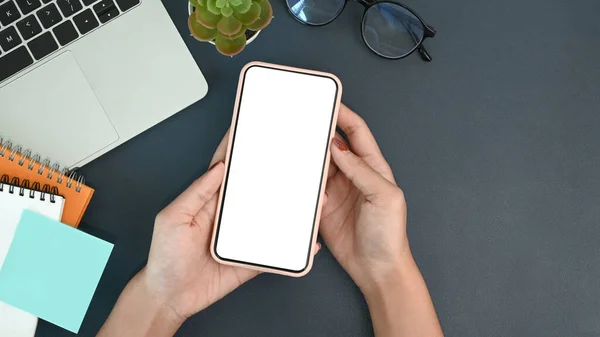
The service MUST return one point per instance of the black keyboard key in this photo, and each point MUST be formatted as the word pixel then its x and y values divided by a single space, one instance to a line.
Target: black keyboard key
pixel 27 6
pixel 89 2
pixel 49 16
pixel 14 62
pixel 65 32
pixel 42 45
pixel 9 13
pixel 69 7
pixel 127 4
pixel 85 21
pixel 108 15
pixel 106 10
pixel 9 38
pixel 29 27
pixel 103 6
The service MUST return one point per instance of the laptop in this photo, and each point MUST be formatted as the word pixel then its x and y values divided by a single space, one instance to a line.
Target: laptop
pixel 80 77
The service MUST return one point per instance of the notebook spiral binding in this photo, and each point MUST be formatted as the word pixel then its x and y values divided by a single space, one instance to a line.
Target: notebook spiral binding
pixel 14 184
pixel 19 155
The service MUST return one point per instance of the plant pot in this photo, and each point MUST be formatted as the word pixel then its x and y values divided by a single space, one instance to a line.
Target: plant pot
pixel 249 39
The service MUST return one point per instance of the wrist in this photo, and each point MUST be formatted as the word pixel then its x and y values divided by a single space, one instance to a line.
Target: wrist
pixel 156 308
pixel 387 278
pixel 400 304
pixel 139 313
pixel 159 319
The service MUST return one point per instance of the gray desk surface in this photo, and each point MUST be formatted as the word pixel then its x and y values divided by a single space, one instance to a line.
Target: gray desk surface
pixel 496 144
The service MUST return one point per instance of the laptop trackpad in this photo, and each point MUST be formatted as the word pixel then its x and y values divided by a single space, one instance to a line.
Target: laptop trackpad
pixel 54 111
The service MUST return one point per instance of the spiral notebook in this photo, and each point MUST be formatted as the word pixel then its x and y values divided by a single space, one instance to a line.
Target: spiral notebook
pixel 13 200
pixel 16 163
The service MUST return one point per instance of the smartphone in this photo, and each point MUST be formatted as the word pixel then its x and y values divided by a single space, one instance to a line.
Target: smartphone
pixel 276 168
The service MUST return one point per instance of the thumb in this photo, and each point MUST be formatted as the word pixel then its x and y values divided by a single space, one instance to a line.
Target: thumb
pixel 193 199
pixel 368 181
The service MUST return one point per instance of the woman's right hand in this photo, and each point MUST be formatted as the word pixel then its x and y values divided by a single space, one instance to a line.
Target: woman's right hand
pixel 363 224
pixel 364 220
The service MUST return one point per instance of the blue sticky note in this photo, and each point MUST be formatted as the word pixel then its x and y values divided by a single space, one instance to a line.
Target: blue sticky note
pixel 52 270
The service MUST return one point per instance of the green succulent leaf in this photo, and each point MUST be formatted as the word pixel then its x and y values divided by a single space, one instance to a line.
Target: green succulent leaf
pixel 242 32
pixel 194 3
pixel 227 11
pixel 235 2
pixel 201 3
pixel 242 7
pixel 207 18
pixel 250 16
pixel 265 17
pixel 229 26
pixel 200 32
pixel 221 3
pixel 211 5
pixel 230 47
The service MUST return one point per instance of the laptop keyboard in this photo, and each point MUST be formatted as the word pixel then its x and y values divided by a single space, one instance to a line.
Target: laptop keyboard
pixel 32 29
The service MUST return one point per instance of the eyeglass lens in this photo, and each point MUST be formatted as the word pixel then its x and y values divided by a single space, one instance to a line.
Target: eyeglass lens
pixel 391 30
pixel 316 12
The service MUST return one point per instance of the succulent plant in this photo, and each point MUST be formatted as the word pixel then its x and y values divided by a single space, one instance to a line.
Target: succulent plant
pixel 225 22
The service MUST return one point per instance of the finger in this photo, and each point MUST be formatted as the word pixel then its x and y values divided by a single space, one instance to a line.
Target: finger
pixel 332 167
pixel 363 142
pixel 316 248
pixel 368 181
pixel 358 133
pixel 199 193
pixel 221 150
pixel 332 170
pixel 233 277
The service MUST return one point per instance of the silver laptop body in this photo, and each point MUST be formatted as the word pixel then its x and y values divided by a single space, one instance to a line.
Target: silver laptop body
pixel 80 77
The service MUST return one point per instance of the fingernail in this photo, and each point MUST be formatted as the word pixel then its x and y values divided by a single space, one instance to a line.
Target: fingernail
pixel 215 164
pixel 340 145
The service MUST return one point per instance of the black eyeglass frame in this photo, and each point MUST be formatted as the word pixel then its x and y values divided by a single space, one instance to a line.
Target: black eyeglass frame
pixel 428 31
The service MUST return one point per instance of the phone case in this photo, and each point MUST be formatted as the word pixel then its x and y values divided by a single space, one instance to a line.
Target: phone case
pixel 324 178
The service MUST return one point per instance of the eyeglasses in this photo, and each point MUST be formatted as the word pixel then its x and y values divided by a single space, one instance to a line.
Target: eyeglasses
pixel 389 28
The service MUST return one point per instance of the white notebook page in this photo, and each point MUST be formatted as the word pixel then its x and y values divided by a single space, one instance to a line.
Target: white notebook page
pixel 15 322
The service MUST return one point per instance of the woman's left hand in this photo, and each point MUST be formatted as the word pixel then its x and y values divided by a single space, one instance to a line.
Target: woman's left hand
pixel 181 272
pixel 181 277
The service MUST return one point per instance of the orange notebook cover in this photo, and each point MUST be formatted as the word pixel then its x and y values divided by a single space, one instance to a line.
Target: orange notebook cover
pixel 20 164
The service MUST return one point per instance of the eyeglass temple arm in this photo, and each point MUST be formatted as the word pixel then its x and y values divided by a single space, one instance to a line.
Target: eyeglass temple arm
pixel 424 54
pixel 429 32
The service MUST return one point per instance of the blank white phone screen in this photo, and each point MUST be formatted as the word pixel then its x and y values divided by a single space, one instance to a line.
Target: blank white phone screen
pixel 276 166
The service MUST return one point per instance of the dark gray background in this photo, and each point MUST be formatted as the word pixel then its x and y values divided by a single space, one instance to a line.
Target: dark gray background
pixel 496 144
